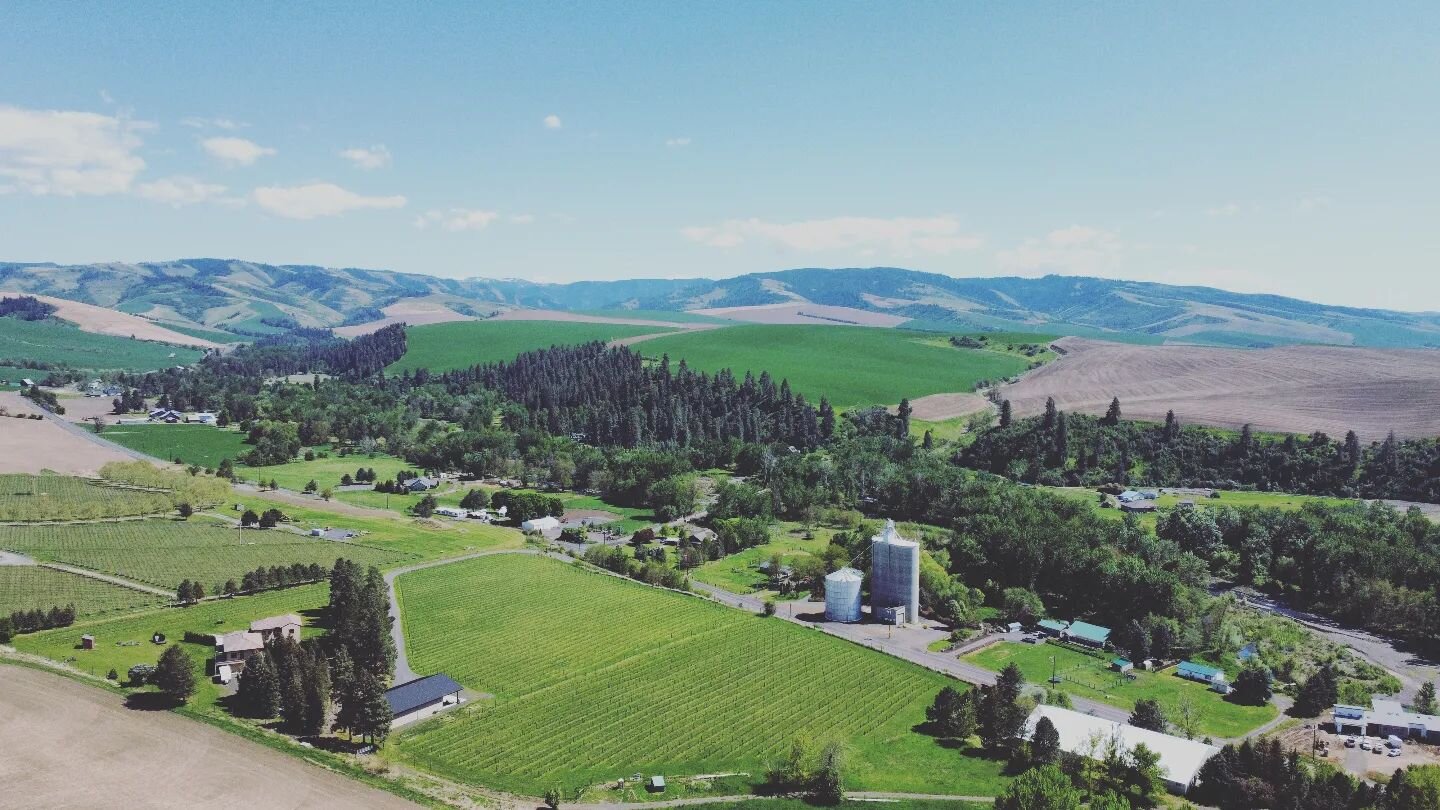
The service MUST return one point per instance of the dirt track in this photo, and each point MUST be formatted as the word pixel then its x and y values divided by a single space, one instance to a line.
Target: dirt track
pixel 1289 389
pixel 63 744
pixel 104 321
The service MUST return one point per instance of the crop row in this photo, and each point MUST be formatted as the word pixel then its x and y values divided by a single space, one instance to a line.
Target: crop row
pixel 27 587
pixel 58 497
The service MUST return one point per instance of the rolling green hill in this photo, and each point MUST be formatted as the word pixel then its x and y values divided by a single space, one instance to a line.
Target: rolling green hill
pixel 850 365
pixel 65 345
pixel 461 344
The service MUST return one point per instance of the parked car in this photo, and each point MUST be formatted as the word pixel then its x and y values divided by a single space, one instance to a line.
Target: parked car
pixel 1394 752
pixel 1364 745
pixel 1349 742
pixel 1030 640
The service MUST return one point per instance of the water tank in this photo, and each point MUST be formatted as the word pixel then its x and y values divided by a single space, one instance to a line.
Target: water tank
pixel 842 595
pixel 895 573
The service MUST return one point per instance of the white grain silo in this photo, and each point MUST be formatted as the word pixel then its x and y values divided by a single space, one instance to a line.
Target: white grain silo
pixel 895 574
pixel 842 595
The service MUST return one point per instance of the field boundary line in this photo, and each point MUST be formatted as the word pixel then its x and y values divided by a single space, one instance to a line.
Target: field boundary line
pixel 110 578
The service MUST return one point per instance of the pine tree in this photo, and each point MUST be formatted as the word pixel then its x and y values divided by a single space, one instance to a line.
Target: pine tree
pixel 1319 693
pixel 372 711
pixel 1172 427
pixel 1112 414
pixel 184 593
pixel 952 714
pixel 1425 699
pixel 343 684
pixel 175 674
pixel 1045 742
pixel 902 426
pixel 1005 414
pixel 827 418
pixel 317 693
pixel 1048 422
pixel 259 689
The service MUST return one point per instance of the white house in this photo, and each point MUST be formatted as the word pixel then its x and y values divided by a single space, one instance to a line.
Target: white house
pixel 1090 736
pixel 542 525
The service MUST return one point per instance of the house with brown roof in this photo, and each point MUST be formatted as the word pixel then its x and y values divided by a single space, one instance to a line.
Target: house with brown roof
pixel 233 649
pixel 276 627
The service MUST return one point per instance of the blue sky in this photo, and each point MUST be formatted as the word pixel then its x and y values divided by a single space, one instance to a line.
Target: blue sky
pixel 1290 148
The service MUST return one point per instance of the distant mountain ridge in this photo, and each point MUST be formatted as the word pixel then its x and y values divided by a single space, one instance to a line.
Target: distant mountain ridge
pixel 253 298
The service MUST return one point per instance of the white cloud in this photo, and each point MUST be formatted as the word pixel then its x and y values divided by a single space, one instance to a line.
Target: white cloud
pixel 67 153
pixel 106 97
pixel 522 219
pixel 317 200
pixel 1227 210
pixel 898 236
pixel 676 143
pixel 1313 203
pixel 552 122
pixel 208 123
pixel 236 151
pixel 457 219
pixel 376 157
pixel 179 190
pixel 1078 250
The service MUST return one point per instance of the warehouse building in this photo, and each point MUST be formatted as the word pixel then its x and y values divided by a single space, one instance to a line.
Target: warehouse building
pixel 1089 736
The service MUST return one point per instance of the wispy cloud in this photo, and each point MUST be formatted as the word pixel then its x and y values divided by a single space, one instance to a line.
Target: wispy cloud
pixel 318 200
pixel 676 143
pixel 68 153
pixel 196 122
pixel 552 121
pixel 179 191
pixel 1078 249
pixel 375 157
pixel 457 219
pixel 235 151
pixel 897 236
pixel 522 219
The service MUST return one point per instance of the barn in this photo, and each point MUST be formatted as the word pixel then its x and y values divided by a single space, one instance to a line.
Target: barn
pixel 422 697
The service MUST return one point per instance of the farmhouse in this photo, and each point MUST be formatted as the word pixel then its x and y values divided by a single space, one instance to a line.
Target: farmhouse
pixel 232 650
pixel 1140 506
pixel 450 512
pixel 1090 736
pixel 275 627
pixel 1052 628
pixel 1385 718
pixel 422 697
pixel 421 484
pixel 542 524
pixel 203 417
pixel 1210 676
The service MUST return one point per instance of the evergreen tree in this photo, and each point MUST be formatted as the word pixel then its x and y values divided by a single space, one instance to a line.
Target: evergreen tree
pixel 1000 717
pixel 1045 742
pixel 827 418
pixel 184 594
pixel 342 686
pixel 373 715
pixel 1005 414
pixel 1252 685
pixel 175 674
pixel 1048 423
pixel 259 690
pixel 1112 414
pixel 1044 788
pixel 1425 699
pixel 827 785
pixel 1148 714
pixel 952 715
pixel 1318 694
pixel 1134 641
pixel 317 692
pixel 902 425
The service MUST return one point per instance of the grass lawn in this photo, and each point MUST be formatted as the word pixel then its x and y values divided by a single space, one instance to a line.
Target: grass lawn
pixel 26 587
pixel 461 344
pixel 325 472
pixel 425 539
pixel 597 677
pixel 164 552
pixel 205 445
pixel 65 345
pixel 124 641
pixel 1089 677
pixel 853 366
pixel 740 573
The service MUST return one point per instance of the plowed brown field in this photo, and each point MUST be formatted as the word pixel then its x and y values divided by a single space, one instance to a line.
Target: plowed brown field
pixel 1295 389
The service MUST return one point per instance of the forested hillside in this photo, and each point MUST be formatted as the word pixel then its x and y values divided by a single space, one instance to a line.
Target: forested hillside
pixel 1067 449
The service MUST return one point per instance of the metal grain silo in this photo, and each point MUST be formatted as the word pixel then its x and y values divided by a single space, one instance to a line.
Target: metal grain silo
pixel 842 595
pixel 895 573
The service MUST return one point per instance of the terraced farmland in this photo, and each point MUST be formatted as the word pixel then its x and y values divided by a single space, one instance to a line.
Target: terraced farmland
pixel 598 677
pixel 164 552
pixel 60 497
pixel 26 587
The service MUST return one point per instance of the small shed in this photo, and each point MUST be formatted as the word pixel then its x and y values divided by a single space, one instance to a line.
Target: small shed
pixel 1121 665
pixel 657 784
pixel 1013 627
pixel 87 642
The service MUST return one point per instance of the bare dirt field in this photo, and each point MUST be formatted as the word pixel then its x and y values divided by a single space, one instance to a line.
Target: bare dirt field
pixel 1295 389
pixel 579 317
pixel 412 312
pixel 29 445
pixel 939 407
pixel 793 313
pixel 80 409
pixel 64 744
pixel 104 321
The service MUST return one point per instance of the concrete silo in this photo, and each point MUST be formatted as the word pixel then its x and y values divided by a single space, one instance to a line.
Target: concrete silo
pixel 895 574
pixel 842 595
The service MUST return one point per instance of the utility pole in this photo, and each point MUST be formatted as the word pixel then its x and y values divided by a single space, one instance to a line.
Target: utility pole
pixel 1054 677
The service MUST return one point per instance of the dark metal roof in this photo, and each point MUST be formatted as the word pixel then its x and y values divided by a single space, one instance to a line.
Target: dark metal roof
pixel 410 696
